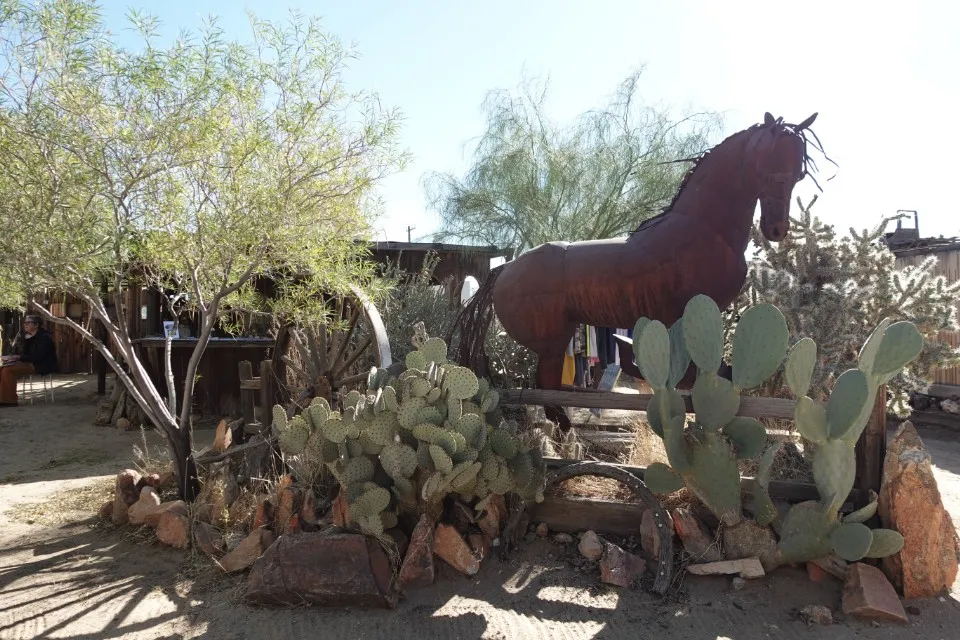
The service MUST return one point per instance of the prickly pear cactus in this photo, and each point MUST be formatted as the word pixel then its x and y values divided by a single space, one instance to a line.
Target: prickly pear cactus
pixel 815 527
pixel 703 455
pixel 415 438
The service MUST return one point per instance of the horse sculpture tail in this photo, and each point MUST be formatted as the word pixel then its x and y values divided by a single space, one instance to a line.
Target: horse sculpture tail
pixel 472 324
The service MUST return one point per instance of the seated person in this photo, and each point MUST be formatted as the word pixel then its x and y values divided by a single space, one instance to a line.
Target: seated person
pixel 38 355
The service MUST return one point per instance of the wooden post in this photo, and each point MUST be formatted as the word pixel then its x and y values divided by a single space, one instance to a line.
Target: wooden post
pixel 872 446
pixel 246 396
pixel 266 395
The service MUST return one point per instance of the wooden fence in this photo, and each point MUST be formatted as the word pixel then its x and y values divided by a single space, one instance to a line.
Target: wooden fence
pixel 870 448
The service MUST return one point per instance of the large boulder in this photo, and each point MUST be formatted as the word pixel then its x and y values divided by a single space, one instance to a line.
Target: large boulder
pixel 910 503
pixel 339 569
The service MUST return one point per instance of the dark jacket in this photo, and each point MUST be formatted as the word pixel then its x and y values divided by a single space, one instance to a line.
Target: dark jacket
pixel 41 352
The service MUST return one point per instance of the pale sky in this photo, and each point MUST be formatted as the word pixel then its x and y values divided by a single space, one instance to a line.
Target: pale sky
pixel 884 80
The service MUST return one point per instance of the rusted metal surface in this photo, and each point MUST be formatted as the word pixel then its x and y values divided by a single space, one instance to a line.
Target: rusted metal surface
pixel 697 246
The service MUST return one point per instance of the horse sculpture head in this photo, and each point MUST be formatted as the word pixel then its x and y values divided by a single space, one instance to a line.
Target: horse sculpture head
pixel 781 162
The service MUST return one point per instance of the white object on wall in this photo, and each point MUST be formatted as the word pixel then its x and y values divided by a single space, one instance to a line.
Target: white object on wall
pixel 469 289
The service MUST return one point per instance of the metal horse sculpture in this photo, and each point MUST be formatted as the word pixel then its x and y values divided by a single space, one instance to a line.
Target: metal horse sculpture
pixel 696 246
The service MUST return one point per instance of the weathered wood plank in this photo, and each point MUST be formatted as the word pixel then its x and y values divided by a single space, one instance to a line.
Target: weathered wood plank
pixel 872 446
pixel 750 406
pixel 252 384
pixel 266 394
pixel 571 515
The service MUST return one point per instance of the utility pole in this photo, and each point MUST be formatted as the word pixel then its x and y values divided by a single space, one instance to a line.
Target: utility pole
pixel 409 229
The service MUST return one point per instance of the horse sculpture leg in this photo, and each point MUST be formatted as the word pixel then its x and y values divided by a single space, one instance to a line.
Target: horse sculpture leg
pixel 550 376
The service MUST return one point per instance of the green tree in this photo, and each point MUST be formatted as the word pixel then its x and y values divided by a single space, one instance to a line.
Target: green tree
pixel 836 288
pixel 533 180
pixel 196 167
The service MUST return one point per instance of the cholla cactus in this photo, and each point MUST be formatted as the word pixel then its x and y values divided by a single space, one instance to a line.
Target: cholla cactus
pixel 413 439
pixel 813 529
pixel 703 456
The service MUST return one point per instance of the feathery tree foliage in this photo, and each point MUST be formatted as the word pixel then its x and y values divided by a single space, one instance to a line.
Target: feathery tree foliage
pixel 195 167
pixel 837 288
pixel 534 181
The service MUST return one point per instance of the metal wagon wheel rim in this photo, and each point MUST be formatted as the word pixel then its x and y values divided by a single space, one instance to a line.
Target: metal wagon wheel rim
pixel 331 359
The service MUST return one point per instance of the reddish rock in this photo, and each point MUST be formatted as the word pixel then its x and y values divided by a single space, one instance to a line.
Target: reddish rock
pixel 747 568
pixel 153 518
pixel 751 540
pixel 417 568
pixel 339 569
pixel 173 529
pixel 308 512
pixel 125 494
pixel 650 533
pixel 868 595
pixel 618 567
pixel 494 516
pixel 223 438
pixel 590 546
pixel 152 480
pixel 148 503
pixel 207 539
pixel 696 540
pixel 341 513
pixel 832 564
pixel 450 547
pixel 263 517
pixel 167 479
pixel 288 509
pixel 106 509
pixel 242 511
pixel 246 553
pixel 480 543
pixel 816 614
pixel 542 530
pixel 910 503
pixel 815 573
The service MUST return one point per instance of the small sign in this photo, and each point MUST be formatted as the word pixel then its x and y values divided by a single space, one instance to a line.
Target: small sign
pixel 170 330
pixel 609 380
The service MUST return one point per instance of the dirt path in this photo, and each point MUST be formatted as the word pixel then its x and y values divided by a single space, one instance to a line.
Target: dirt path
pixel 64 575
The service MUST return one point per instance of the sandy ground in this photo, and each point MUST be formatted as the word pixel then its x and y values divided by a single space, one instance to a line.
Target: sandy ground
pixel 64 575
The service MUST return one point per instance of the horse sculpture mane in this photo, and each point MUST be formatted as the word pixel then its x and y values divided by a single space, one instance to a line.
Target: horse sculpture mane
pixel 695 246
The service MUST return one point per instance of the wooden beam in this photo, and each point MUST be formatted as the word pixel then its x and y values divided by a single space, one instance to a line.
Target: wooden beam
pixel 872 446
pixel 778 490
pixel 247 399
pixel 571 514
pixel 750 406
pixel 943 390
pixel 251 384
pixel 266 394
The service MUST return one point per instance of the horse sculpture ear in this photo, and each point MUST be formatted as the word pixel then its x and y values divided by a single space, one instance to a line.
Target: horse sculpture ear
pixel 768 119
pixel 806 123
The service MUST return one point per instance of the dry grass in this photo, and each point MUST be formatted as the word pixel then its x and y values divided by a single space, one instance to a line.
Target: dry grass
pixel 63 507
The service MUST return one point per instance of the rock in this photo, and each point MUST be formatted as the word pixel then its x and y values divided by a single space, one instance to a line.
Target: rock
pixel 650 533
pixel 831 564
pixel 148 503
pixel 167 479
pixel 618 567
pixel 341 512
pixel 125 494
pixel 288 508
pixel 449 546
pixel 696 540
pixel 308 512
pixel 590 546
pixel 252 547
pixel 106 509
pixel 243 510
pixel 751 540
pixel 217 495
pixel 479 544
pixel 910 503
pixel 816 614
pixel 747 568
pixel 152 519
pixel 152 480
pixel 950 405
pixel 123 424
pixel 339 569
pixel 223 438
pixel 417 568
pixel 264 515
pixel 494 516
pixel 816 573
pixel 207 539
pixel 542 530
pixel 738 584
pixel 563 538
pixel 173 528
pixel 869 596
